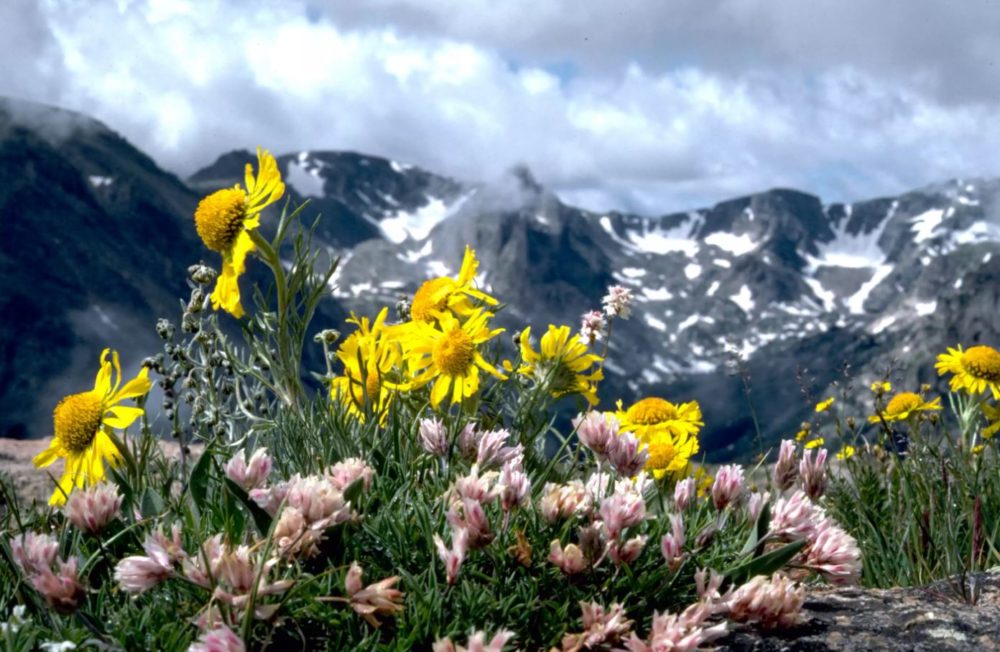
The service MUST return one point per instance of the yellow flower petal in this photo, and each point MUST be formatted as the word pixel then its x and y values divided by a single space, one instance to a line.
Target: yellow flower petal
pixel 102 383
pixel 823 406
pixel 47 456
pixel 138 386
pixel 122 416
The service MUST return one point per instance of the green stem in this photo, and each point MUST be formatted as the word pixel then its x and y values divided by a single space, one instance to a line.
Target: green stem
pixel 289 367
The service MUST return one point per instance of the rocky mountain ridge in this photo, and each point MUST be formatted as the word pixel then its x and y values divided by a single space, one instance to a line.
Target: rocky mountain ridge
pixel 776 292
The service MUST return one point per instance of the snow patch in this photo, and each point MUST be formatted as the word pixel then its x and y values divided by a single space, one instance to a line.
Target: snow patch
pixel 732 243
pixel 692 271
pixel 633 272
pixel 414 255
pixel 978 232
pixel 652 240
pixel 650 376
pixel 827 297
pixel 722 262
pixel 359 288
pixel 437 268
pixel 883 323
pixel 712 288
pixel 987 257
pixel 655 323
pixel 852 250
pixel 400 168
pixel 398 226
pixel 743 298
pixel 664 242
pixel 924 308
pixel 688 322
pixel 925 223
pixel 303 175
pixel 856 303
pixel 660 294
pixel 99 181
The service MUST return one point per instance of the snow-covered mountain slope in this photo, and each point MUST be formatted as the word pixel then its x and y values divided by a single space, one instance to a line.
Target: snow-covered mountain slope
pixel 776 291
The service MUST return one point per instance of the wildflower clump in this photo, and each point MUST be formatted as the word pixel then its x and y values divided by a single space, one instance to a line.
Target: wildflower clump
pixel 429 485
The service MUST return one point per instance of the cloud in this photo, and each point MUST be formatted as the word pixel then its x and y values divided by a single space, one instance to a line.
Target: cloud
pixel 649 107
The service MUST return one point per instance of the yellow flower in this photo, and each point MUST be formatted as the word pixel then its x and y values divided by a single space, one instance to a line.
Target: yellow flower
pixel 669 431
pixel 846 453
pixel 978 449
pixel 225 219
pixel 992 414
pixel 802 434
pixel 703 480
pixel 455 294
pixel 974 370
pixel 881 387
pixel 815 443
pixel 823 406
pixel 82 423
pixel 369 355
pixel 564 363
pixel 904 404
pixel 446 354
pixel 668 454
pixel 652 415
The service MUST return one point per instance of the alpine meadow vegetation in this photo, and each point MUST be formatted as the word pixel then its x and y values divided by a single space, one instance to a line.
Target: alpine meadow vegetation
pixel 421 492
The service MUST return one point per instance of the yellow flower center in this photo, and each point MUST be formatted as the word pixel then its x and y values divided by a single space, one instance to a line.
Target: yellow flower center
pixel 903 402
pixel 219 218
pixel 661 453
pixel 77 419
pixel 373 386
pixel 430 297
pixel 982 362
pixel 652 410
pixel 453 353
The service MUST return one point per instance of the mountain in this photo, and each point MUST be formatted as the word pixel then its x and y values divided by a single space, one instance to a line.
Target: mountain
pixel 96 241
pixel 757 307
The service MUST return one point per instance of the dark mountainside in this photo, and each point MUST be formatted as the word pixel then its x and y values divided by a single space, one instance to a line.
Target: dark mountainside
pixel 777 289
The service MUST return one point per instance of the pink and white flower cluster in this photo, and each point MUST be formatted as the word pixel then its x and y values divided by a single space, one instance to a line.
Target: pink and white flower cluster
pixel 93 508
pixel 829 550
pixel 470 497
pixel 306 506
pixel 599 432
pixel 231 573
pixel 56 579
pixel 618 301
pixel 374 600
pixel 477 643
pixel 610 517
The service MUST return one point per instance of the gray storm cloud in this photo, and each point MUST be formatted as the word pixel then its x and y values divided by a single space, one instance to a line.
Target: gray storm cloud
pixel 643 106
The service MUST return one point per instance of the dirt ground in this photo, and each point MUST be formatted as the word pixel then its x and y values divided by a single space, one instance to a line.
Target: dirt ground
pixel 29 483
pixel 33 484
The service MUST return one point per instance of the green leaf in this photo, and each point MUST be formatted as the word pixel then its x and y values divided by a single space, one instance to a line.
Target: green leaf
pixel 353 491
pixel 260 518
pixel 198 486
pixel 759 530
pixel 152 503
pixel 765 564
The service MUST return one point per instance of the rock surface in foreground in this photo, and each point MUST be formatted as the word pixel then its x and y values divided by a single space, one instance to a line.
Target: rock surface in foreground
pixel 926 619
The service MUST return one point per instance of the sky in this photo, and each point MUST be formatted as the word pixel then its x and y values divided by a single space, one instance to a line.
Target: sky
pixel 647 106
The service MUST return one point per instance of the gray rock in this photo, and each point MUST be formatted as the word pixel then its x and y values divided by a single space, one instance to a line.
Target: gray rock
pixel 925 619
